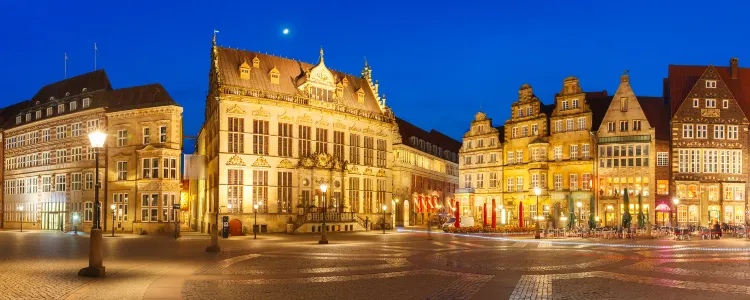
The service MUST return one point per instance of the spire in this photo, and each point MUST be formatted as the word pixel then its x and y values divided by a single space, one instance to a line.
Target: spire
pixel 214 38
pixel 321 54
pixel 625 77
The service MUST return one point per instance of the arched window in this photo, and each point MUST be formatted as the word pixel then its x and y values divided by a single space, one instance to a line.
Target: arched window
pixel 88 214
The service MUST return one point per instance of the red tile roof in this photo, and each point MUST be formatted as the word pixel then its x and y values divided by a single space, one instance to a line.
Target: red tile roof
pixel 681 80
pixel 656 111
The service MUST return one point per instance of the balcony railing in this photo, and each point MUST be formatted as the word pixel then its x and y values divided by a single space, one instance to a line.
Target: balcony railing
pixel 332 217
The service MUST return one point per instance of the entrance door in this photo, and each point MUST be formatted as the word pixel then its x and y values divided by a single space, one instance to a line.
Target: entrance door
pixel 662 218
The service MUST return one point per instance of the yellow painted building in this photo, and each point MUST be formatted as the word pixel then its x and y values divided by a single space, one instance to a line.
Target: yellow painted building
pixel 481 169
pixel 277 129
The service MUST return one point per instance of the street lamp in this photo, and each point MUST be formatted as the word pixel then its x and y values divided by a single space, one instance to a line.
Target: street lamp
pixel 255 221
pixel 20 208
pixel 95 268
pixel 323 238
pixel 538 192
pixel 113 218
pixel 385 207
pixel 676 201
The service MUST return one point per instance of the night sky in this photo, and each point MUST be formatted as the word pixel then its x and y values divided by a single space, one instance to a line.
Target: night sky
pixel 436 63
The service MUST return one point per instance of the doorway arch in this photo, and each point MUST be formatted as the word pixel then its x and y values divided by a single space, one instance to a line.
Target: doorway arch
pixel 235 227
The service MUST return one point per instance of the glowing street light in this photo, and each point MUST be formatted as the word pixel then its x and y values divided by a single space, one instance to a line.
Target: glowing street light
pixel 384 208
pixel 323 238
pixel 96 267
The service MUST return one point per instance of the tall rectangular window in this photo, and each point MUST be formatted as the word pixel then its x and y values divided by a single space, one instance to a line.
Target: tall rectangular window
pixel 149 207
pixel 146 135
pixel 86 102
pixel 321 140
pixel 367 203
pixel 92 125
pixel 510 157
pixel 121 202
pixel 519 184
pixel 75 129
pixel 380 194
pixel 701 131
pixel 46 135
pixel 236 136
pixel 260 190
pixel 89 181
pixel 569 125
pixel 573 151
pixel 162 134
pixel 480 181
pixel 557 182
pixel 493 180
pixel 338 144
pixel 710 161
pixel 76 154
pixel 582 123
pixel 354 148
pixel 122 170
pixel 354 194
pixel 260 137
pixel 623 125
pixel 60 132
pixel 60 183
pixel 381 159
pixel 585 151
pixel 687 131
pixel 60 156
pixel 718 131
pixel 235 189
pixel 146 168
pixel 122 138
pixel 284 196
pixel 623 103
pixel 662 159
pixel 573 182
pixel 509 184
pixel 305 135
pixel 285 140
pixel 369 147
pixel 558 126
pixel 732 131
pixel 46 184
pixel 75 182
pixel 586 181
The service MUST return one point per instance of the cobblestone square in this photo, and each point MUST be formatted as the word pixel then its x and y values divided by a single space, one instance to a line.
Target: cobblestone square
pixel 372 265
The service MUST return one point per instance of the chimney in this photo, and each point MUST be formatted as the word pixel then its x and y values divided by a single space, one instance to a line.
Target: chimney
pixel 734 67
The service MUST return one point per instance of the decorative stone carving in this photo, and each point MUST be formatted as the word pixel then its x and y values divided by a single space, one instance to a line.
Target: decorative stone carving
pixel 236 110
pixel 323 123
pixel 339 125
pixel 157 185
pixel 261 162
pixel 354 170
pixel 368 172
pixel 381 173
pixel 304 119
pixel 285 118
pixel 261 113
pixel 368 131
pixel 286 164
pixel 235 161
pixel 710 112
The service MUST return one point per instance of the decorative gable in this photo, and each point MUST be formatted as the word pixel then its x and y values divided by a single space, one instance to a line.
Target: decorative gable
pixel 624 107
pixel 274 75
pixel 256 62
pixel 710 101
pixel 244 70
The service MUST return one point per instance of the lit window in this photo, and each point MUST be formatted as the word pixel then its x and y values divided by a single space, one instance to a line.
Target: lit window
pixel 710 103
pixel 122 138
pixel 86 102
pixel 60 108
pixel 695 102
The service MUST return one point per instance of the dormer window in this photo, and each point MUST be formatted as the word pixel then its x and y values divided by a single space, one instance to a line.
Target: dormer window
pixel 361 95
pixel 565 105
pixel 49 111
pixel 86 102
pixel 339 89
pixel 345 82
pixel 575 103
pixel 60 108
pixel 18 119
pixel 73 105
pixel 244 71
pixel 28 117
pixel 38 114
pixel 274 75
pixel 711 84
pixel 256 62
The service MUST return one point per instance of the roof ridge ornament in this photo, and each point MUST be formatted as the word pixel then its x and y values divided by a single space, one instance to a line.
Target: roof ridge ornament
pixel 321 54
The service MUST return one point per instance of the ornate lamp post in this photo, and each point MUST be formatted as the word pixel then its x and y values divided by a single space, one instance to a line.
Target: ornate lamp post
pixel 255 221
pixel 95 268
pixel 676 201
pixel 20 208
pixel 537 192
pixel 113 207
pixel 384 208
pixel 323 238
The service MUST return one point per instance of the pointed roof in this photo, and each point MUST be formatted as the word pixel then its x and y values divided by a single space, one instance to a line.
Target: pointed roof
pixel 682 78
pixel 292 74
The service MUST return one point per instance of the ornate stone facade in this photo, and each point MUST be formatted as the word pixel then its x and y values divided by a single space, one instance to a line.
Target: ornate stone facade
pixel 49 168
pixel 266 122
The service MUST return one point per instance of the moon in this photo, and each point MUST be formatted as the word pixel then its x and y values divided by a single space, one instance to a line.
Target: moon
pixel 285 31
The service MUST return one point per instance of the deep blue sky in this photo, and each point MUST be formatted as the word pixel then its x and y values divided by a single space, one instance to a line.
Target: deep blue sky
pixel 437 63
